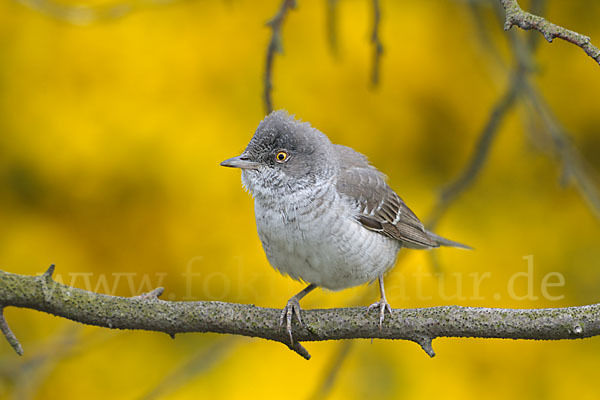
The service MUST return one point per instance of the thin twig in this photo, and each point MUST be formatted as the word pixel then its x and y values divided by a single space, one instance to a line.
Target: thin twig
pixel 490 130
pixel 154 294
pixel 199 363
pixel 332 370
pixel 275 46
pixel 376 41
pixel 332 25
pixel 83 14
pixel 420 325
pixel 466 178
pixel 9 335
pixel 28 374
pixel 483 37
pixel 537 7
pixel 524 20
pixel 573 165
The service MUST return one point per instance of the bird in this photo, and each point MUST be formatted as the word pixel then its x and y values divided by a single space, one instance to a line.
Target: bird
pixel 324 215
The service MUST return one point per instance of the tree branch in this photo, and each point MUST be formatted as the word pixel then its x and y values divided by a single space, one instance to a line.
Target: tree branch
pixel 376 41
pixel 332 23
pixel 275 46
pixel 332 371
pixel 206 358
pixel 10 336
pixel 418 325
pixel 83 14
pixel 524 20
pixel 466 178
pixel 574 166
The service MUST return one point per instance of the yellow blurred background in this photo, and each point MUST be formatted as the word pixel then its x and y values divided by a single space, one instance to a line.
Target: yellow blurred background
pixel 111 134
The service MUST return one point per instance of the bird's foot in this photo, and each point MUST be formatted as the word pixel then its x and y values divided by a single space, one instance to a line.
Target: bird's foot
pixel 291 308
pixel 382 305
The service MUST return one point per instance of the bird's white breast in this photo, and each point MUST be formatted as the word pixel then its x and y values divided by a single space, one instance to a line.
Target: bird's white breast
pixel 313 236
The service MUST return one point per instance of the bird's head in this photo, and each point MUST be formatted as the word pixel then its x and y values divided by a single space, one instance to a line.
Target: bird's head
pixel 284 156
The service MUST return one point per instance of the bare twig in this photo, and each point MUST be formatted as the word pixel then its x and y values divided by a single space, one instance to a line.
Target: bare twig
pixel 573 165
pixel 466 178
pixel 28 374
pixel 483 37
pixel 524 65
pixel 332 370
pixel 537 7
pixel 47 275
pixel 202 361
pixel 9 335
pixel 376 41
pixel 418 325
pixel 154 294
pixel 332 25
pixel 275 46
pixel 82 14
pixel 524 20
pixel 505 103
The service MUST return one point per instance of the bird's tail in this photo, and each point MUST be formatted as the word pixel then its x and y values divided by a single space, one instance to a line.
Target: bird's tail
pixel 447 242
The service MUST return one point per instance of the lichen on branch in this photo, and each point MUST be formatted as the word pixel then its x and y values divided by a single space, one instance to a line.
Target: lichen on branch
pixel 420 325
pixel 524 20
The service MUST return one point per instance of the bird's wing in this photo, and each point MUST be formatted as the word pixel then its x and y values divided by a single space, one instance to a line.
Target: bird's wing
pixel 380 209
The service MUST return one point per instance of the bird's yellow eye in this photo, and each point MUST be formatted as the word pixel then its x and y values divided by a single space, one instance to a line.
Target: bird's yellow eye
pixel 281 156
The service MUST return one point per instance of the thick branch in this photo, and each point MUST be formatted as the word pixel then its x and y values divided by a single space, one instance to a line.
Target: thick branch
pixel 417 325
pixel 275 46
pixel 524 20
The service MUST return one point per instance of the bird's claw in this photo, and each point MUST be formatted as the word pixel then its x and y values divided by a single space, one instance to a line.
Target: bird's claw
pixel 382 305
pixel 291 308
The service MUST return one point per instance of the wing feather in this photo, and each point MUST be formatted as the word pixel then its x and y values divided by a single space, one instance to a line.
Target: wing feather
pixel 380 209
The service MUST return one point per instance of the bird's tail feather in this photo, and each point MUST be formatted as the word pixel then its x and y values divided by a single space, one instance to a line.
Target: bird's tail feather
pixel 447 242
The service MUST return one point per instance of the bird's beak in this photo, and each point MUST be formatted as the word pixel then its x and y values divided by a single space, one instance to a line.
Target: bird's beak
pixel 240 162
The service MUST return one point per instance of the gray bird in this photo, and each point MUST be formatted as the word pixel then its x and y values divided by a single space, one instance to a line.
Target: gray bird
pixel 324 215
